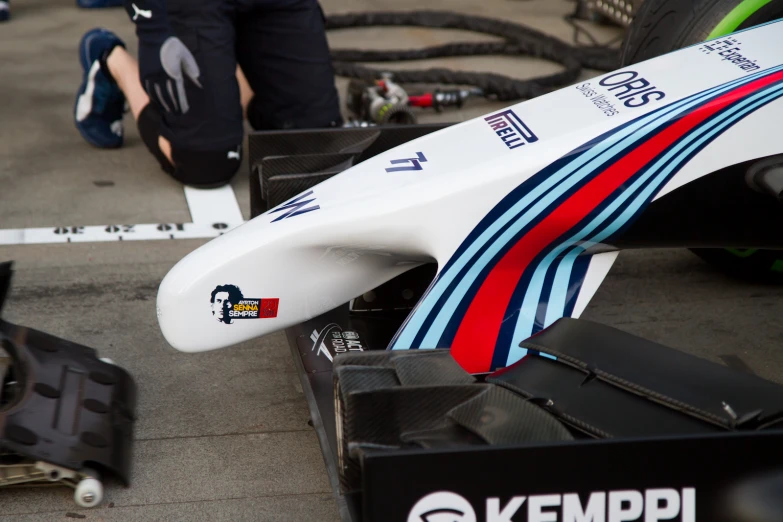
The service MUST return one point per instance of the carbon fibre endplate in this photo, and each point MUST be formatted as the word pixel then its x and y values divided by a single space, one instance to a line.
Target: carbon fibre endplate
pixel 393 400
pixel 62 405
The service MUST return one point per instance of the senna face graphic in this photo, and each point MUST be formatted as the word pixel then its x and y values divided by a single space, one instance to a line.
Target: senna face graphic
pixel 224 297
pixel 228 303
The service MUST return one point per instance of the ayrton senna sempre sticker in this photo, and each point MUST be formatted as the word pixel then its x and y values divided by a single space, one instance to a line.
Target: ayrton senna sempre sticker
pixel 228 303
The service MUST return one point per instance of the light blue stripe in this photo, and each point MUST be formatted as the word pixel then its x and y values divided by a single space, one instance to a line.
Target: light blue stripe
pixel 555 306
pixel 419 315
pixel 610 148
pixel 525 323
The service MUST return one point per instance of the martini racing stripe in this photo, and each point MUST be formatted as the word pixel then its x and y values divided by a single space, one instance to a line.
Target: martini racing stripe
pixel 466 264
pixel 666 167
pixel 441 301
pixel 556 306
pixel 479 329
pixel 668 164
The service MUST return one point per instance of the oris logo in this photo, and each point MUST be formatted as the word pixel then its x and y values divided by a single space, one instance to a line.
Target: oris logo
pixel 442 506
pixel 632 89
pixel 651 505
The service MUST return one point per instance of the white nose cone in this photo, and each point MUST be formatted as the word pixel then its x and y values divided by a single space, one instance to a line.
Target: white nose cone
pixel 205 303
pixel 261 278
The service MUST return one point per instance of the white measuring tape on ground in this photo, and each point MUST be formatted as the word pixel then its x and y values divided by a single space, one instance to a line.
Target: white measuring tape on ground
pixel 213 212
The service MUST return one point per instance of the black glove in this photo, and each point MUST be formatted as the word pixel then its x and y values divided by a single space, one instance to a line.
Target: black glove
pixel 164 60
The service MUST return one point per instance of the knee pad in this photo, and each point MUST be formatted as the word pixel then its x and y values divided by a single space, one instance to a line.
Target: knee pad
pixel 197 168
pixel 206 168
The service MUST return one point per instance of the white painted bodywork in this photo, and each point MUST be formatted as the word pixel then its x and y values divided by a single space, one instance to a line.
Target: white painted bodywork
pixel 372 225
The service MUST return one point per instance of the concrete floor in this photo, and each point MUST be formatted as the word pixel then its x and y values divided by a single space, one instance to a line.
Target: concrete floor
pixel 225 435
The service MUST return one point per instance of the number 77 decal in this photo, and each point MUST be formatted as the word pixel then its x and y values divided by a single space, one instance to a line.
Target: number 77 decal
pixel 415 163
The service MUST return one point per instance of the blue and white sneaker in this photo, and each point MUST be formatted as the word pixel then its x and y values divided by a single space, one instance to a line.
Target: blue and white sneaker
pixel 100 104
pixel 5 11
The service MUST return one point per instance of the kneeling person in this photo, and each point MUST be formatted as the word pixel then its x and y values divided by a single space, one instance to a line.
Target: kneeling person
pixel 204 66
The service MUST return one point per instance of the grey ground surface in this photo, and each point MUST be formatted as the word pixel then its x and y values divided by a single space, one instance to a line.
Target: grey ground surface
pixel 225 435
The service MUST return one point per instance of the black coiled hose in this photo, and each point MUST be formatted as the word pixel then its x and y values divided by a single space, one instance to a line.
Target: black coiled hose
pixel 518 40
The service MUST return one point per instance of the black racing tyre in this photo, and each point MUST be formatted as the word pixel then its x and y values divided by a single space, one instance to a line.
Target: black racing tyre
pixel 663 26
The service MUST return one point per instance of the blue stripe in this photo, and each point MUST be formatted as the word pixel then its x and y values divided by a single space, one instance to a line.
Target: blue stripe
pixel 673 162
pixel 469 249
pixel 549 280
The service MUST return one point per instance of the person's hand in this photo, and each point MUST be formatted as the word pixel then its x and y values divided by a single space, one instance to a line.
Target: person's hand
pixel 163 68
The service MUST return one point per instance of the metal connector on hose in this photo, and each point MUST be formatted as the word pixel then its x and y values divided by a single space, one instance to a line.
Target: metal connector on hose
pixel 382 102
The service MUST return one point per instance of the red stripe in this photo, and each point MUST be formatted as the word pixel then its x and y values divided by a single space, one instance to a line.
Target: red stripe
pixel 475 340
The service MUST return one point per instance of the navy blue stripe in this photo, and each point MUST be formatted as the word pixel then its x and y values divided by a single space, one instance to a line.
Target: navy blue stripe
pixel 543 302
pixel 578 275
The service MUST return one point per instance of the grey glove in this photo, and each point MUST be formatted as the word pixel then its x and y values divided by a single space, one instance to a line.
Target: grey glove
pixel 163 72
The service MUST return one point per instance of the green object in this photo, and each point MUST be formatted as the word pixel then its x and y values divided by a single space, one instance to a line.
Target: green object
pixel 777 266
pixel 735 18
pixel 743 253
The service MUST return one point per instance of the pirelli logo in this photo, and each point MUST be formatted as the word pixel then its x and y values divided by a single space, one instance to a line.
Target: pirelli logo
pixel 511 129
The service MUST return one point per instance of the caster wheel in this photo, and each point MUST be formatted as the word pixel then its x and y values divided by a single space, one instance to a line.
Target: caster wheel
pixel 89 493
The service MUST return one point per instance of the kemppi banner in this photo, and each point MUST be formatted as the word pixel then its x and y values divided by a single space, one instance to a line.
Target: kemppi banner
pixel 650 505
